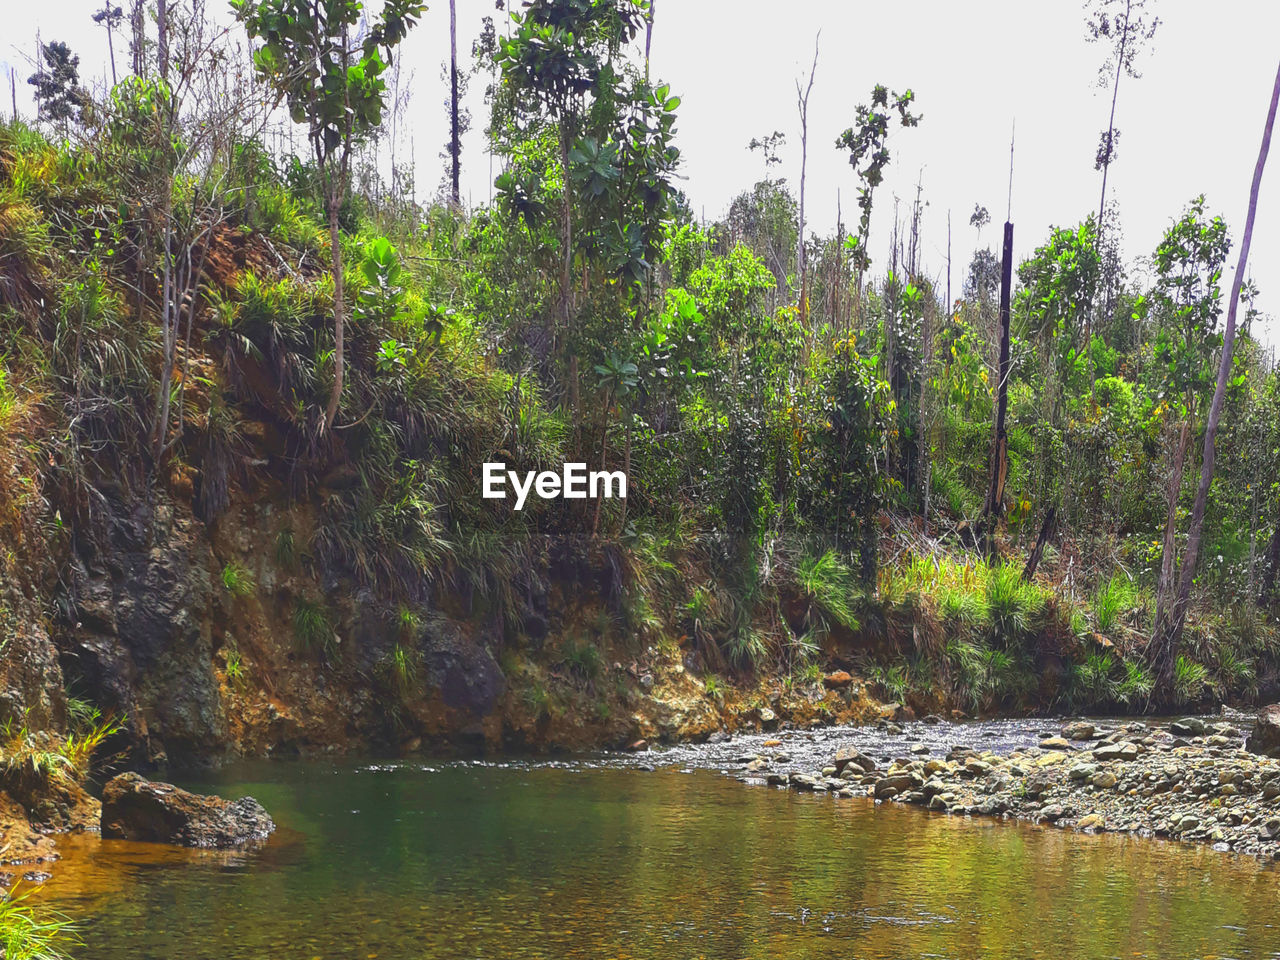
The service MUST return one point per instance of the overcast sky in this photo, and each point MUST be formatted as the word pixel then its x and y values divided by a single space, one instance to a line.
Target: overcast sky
pixel 1192 123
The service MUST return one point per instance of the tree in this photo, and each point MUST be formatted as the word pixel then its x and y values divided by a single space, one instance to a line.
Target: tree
pixel 138 41
pixel 333 83
pixel 1168 630
pixel 867 145
pixel 1125 27
pixel 110 17
pixel 59 96
pixel 1188 303
pixel 455 123
pixel 802 102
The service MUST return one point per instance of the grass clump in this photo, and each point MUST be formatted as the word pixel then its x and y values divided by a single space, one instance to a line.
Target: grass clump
pixel 236 580
pixel 30 933
pixel 1113 599
pixel 311 628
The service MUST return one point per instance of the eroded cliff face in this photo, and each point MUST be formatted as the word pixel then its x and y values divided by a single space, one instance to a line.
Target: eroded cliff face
pixel 205 665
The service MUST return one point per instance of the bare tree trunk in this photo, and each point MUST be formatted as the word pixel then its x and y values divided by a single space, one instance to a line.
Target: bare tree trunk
pixel 1046 530
pixel 138 47
pixel 162 37
pixel 994 506
pixel 648 36
pixel 455 132
pixel 802 99
pixel 111 52
pixel 339 307
pixel 1178 616
pixel 1169 550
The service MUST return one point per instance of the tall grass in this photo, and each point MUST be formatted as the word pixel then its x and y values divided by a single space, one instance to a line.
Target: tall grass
pixel 30 933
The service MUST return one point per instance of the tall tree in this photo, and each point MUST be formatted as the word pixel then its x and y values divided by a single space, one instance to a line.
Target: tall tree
pixel 162 37
pixel 138 40
pixel 1168 629
pixel 334 84
pixel 1125 26
pixel 59 96
pixel 110 17
pixel 802 102
pixel 455 123
pixel 867 145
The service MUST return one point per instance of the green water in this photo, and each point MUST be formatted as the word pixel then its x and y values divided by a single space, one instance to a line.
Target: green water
pixel 459 862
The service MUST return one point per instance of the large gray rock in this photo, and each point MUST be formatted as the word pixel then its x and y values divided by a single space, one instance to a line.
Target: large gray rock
pixel 1265 739
pixel 134 808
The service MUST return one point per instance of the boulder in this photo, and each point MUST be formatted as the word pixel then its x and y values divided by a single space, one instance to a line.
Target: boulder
pixel 134 808
pixel 1079 730
pixel 1189 727
pixel 837 680
pixel 1265 739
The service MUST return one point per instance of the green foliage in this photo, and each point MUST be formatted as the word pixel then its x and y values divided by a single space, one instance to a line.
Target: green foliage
pixel 236 580
pixel 29 932
pixel 1114 599
pixel 830 584
pixel 312 631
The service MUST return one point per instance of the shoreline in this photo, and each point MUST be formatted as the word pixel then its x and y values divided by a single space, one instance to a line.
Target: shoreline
pixel 1189 780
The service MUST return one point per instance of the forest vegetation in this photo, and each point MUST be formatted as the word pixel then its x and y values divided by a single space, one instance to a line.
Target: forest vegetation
pixel 993 506
pixel 1066 500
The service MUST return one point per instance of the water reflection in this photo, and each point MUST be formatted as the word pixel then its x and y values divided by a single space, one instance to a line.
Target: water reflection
pixel 430 861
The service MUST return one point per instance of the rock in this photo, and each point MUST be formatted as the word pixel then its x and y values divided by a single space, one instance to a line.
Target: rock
pixel 36 876
pixel 1054 811
pixel 755 765
pixel 1124 750
pixel 1104 780
pixel 1265 738
pixel 919 749
pixel 768 719
pixel 837 680
pixel 1082 772
pixel 1093 821
pixel 848 755
pixel 1188 727
pixel 772 743
pixel 134 808
pixel 638 746
pixel 1054 743
pixel 1050 759
pixel 1079 730
pixel 1270 830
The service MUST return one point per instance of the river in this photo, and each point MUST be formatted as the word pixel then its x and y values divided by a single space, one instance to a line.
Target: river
pixel 600 858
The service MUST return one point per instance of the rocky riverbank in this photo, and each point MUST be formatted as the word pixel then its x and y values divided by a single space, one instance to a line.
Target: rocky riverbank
pixel 1190 780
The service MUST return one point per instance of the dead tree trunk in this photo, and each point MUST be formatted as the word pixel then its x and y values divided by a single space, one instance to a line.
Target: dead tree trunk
pixel 994 506
pixel 455 125
pixel 1046 531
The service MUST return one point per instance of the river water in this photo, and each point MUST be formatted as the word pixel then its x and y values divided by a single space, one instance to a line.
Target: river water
pixel 598 858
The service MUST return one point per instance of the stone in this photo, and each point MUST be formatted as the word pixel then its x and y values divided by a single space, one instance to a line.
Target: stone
pixel 1104 780
pixel 1093 821
pixel 1189 727
pixel 638 746
pixel 1082 772
pixel 134 808
pixel 1265 738
pixel 1079 730
pixel 848 755
pixel 767 718
pixel 1125 750
pixel 1055 743
pixel 1053 812
pixel 837 680
pixel 1050 759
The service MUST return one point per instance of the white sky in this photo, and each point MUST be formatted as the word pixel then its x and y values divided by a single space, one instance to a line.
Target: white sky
pixel 1191 124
